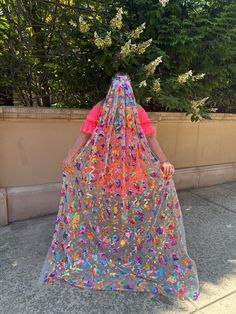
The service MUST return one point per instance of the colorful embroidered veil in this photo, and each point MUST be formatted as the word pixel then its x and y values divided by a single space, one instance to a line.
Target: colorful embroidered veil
pixel 119 224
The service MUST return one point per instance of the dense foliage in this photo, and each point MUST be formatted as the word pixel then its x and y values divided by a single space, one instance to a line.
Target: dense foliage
pixel 198 35
pixel 49 56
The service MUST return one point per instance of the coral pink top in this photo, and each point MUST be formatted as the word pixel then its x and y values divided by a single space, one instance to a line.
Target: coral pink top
pixel 91 121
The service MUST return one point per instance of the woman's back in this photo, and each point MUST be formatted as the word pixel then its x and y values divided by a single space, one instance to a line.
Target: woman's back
pixel 92 118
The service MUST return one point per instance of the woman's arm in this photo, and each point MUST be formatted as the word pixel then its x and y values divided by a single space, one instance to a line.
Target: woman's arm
pixel 156 148
pixel 80 142
pixel 83 137
pixel 168 168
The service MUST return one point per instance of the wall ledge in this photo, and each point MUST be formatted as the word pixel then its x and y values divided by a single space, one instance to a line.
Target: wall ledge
pixel 16 113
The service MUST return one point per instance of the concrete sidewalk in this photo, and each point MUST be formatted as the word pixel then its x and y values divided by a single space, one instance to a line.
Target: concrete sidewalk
pixel 210 224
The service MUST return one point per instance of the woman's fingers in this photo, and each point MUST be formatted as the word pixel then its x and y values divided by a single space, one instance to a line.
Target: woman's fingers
pixel 67 160
pixel 171 171
pixel 168 169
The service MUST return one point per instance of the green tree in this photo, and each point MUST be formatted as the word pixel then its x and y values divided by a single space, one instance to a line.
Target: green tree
pixel 197 35
pixel 49 55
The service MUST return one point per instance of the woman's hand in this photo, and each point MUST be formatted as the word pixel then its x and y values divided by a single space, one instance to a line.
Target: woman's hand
pixel 76 148
pixel 167 168
pixel 66 162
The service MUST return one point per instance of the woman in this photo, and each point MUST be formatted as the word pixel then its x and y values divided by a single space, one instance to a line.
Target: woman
pixel 91 122
pixel 119 224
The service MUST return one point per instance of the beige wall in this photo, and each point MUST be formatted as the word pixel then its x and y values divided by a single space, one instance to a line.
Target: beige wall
pixel 34 141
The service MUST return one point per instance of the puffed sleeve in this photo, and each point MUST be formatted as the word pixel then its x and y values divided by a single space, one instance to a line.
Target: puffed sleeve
pixel 91 120
pixel 145 122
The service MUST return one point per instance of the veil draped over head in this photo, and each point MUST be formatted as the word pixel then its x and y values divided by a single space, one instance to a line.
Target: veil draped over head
pixel 119 224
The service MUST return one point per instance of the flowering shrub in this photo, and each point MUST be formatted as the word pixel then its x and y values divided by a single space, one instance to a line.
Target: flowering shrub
pixel 179 55
pixel 121 48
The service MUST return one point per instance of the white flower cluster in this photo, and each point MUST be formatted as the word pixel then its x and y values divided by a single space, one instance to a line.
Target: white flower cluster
pixel 143 83
pixel 102 43
pixel 72 23
pixel 213 109
pixel 116 22
pixel 197 104
pixel 183 78
pixel 141 48
pixel 129 47
pixel 136 32
pixel 156 87
pixel 198 77
pixel 164 2
pixel 83 26
pixel 148 99
pixel 150 68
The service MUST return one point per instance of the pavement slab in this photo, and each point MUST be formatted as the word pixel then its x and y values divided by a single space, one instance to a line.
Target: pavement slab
pixel 223 195
pixel 226 305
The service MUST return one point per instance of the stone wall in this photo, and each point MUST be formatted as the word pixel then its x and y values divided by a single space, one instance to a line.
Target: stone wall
pixel 34 141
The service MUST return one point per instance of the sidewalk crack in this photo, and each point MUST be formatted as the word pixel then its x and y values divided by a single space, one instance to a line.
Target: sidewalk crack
pixel 210 201
pixel 213 302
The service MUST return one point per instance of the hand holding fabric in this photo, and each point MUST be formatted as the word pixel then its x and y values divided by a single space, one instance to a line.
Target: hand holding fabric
pixel 167 168
pixel 76 148
pixel 67 160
